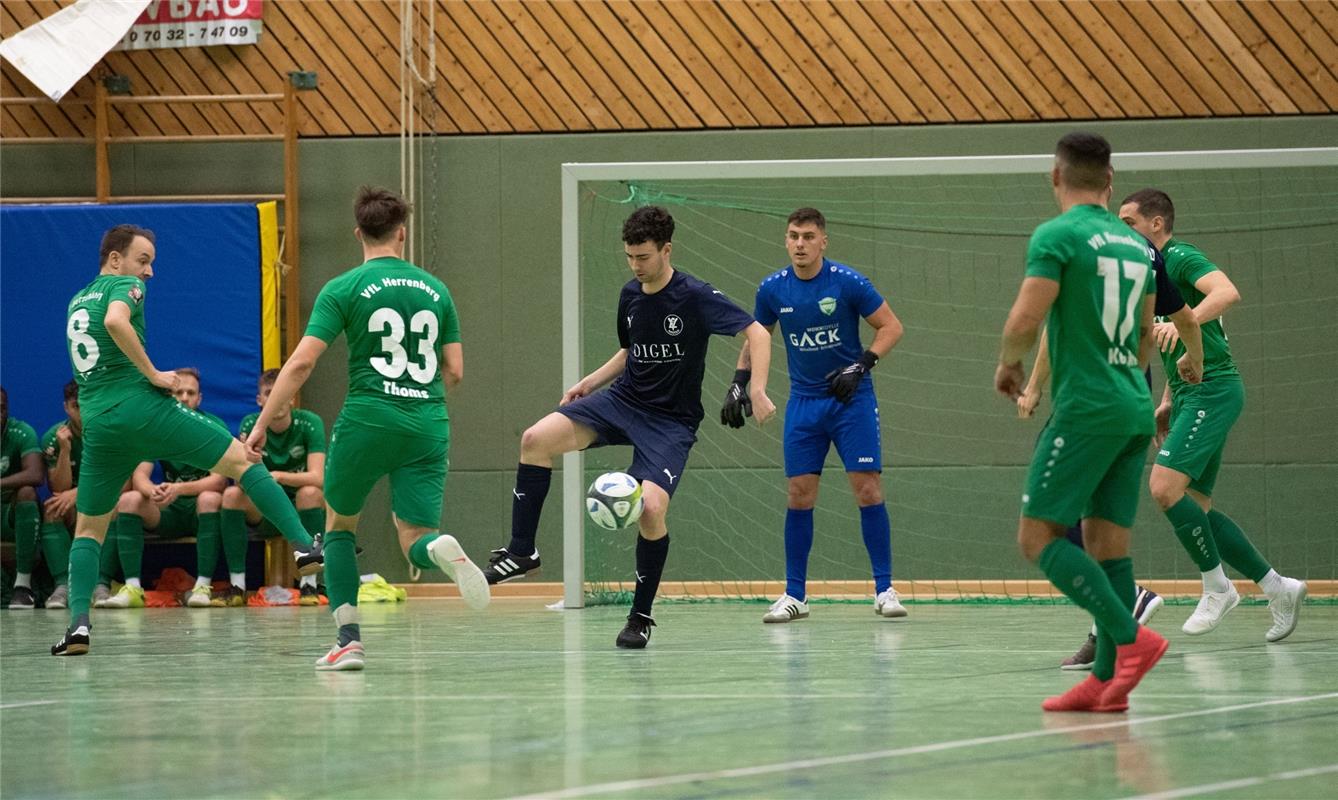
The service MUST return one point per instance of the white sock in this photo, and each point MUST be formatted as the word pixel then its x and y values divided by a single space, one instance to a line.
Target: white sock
pixel 1215 580
pixel 134 582
pixel 203 580
pixel 308 580
pixel 1271 583
pixel 238 579
pixel 23 579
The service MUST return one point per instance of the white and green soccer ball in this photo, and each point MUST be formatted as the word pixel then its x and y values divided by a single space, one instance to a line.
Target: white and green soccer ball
pixel 614 501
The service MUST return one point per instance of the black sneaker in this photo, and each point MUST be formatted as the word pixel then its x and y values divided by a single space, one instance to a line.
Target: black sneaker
pixel 311 560
pixel 636 633
pixel 1082 659
pixel 503 566
pixel 308 595
pixel 319 539
pixel 22 598
pixel 73 643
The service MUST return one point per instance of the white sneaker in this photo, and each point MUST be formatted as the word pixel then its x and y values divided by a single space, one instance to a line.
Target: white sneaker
pixel 126 597
pixel 1285 606
pixel 886 604
pixel 342 659
pixel 447 554
pixel 786 609
pixel 100 596
pixel 1210 610
pixel 200 597
pixel 60 598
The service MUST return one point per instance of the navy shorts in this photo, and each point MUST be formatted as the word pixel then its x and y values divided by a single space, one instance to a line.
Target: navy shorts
pixel 814 424
pixel 660 444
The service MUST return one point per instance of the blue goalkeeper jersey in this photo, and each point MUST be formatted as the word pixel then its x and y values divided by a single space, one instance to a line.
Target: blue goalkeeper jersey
pixel 819 321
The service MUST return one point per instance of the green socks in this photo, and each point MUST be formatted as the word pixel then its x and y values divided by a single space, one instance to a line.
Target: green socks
pixel 130 544
pixel 232 530
pixel 84 557
pixel 341 569
pixel 56 549
pixel 1120 572
pixel 26 519
pixel 418 555
pixel 270 498
pixel 1236 548
pixel 313 520
pixel 1084 582
pixel 1195 533
pixel 206 545
pixel 110 560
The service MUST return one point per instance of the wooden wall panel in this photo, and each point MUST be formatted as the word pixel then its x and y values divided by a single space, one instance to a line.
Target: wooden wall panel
pixel 523 66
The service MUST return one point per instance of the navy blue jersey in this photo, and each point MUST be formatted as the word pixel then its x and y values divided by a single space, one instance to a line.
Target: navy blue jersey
pixel 1169 299
pixel 819 320
pixel 665 335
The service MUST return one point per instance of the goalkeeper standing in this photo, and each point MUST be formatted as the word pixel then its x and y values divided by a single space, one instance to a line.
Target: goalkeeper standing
pixel 819 304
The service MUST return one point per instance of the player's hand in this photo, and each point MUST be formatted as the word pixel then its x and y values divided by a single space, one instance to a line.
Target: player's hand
pixel 1191 371
pixel 164 380
pixel 1163 417
pixel 737 403
pixel 842 383
pixel 1027 402
pixel 255 443
pixel 59 504
pixel 1165 335
pixel 574 393
pixel 1008 380
pixel 64 435
pixel 763 408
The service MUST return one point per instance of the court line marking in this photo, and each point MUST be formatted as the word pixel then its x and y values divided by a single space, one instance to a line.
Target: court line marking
pixel 937 747
pixel 1239 783
pixel 26 703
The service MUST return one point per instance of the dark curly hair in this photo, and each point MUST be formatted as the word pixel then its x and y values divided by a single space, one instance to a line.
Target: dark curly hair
pixel 649 224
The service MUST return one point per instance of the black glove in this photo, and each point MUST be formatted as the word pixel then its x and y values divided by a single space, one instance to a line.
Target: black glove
pixel 842 383
pixel 737 405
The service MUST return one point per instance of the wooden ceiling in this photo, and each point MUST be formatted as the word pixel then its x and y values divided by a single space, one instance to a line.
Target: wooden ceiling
pixel 522 66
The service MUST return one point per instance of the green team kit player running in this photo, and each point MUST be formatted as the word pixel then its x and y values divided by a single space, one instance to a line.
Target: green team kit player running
pixel 128 418
pixel 1199 418
pixel 20 474
pixel 403 342
pixel 1090 275
pixel 63 447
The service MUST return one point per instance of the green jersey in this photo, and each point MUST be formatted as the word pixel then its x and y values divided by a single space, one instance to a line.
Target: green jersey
pixel 106 376
pixel 1185 264
pixel 396 317
pixel 20 441
pixel 1104 273
pixel 52 451
pixel 287 451
pixel 180 472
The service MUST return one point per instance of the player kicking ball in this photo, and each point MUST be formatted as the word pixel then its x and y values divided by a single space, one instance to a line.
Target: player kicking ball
pixel 404 351
pixel 665 320
pixel 129 417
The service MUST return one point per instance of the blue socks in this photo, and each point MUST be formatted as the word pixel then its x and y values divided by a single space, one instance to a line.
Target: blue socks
pixel 798 541
pixel 877 531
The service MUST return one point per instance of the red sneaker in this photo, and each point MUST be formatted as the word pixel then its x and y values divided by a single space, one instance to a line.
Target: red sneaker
pixel 1132 662
pixel 1085 696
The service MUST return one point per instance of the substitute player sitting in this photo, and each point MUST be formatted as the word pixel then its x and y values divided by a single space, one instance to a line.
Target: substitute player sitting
pixel 295 455
pixel 63 446
pixel 21 472
pixel 665 321
pixel 129 418
pixel 819 304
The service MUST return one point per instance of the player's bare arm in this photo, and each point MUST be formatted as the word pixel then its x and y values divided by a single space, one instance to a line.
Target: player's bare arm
pixel 1040 376
pixel 597 379
pixel 32 474
pixel 117 323
pixel 212 482
pixel 1146 346
pixel 1190 365
pixel 291 378
pixel 313 475
pixel 1021 331
pixel 1220 294
pixel 60 477
pixel 452 364
pixel 759 356
pixel 737 403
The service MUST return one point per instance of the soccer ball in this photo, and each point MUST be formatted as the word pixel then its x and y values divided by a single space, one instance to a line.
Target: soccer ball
pixel 614 501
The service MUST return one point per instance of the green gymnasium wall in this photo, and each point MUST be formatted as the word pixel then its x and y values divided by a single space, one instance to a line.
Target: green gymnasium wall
pixel 498 242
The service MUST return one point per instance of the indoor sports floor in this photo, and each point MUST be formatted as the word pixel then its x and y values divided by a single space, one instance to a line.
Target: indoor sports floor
pixel 518 700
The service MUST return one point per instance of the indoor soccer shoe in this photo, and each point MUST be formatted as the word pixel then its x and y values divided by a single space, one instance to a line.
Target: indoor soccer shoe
pixel 60 598
pixel 73 643
pixel 636 633
pixel 308 595
pixel 200 597
pixel 1146 604
pixel 447 554
pixel 101 594
pixel 503 566
pixel 1210 610
pixel 1085 696
pixel 342 658
pixel 886 604
pixel 786 609
pixel 1132 662
pixel 127 597
pixel 1285 606
pixel 22 598
pixel 310 560
pixel 231 597
pixel 1083 658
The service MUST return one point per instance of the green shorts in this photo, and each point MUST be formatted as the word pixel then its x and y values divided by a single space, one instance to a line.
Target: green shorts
pixel 179 518
pixel 1079 475
pixel 359 456
pixel 1201 420
pixel 147 427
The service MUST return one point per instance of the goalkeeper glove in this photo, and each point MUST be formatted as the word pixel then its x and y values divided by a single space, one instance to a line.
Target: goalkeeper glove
pixel 737 405
pixel 842 383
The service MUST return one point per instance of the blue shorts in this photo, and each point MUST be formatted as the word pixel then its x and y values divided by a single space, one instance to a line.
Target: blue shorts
pixel 660 444
pixel 813 424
